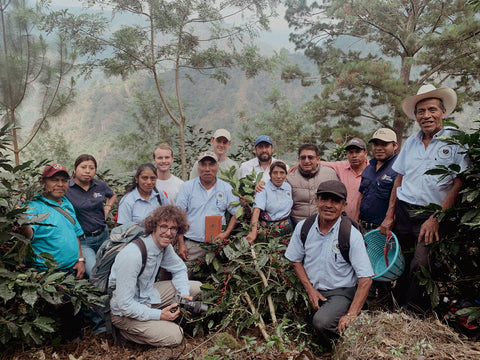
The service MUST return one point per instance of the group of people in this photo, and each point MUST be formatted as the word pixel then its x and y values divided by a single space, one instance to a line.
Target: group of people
pixel 383 193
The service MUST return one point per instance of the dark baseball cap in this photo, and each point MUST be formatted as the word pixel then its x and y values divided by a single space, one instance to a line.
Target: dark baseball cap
pixel 334 187
pixel 263 138
pixel 356 142
pixel 53 169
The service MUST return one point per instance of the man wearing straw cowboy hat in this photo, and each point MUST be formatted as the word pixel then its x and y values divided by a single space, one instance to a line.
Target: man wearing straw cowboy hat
pixel 413 189
pixel 337 288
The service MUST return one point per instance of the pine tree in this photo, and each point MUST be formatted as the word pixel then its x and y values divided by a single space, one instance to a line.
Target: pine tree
pixel 373 53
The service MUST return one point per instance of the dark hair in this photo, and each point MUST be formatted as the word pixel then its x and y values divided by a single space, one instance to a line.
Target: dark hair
pixel 133 185
pixel 166 213
pixel 442 106
pixel 309 146
pixel 279 164
pixel 82 158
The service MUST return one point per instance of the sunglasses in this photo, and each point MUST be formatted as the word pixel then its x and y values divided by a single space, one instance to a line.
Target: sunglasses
pixel 309 157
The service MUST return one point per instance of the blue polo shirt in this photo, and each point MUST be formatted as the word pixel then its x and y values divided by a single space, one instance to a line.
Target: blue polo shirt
pixel 322 260
pixel 89 204
pixel 59 240
pixel 198 203
pixel 134 208
pixel 376 187
pixel 276 201
pixel 414 160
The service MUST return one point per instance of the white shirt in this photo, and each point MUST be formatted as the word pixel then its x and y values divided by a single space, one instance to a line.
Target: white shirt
pixel 248 166
pixel 171 187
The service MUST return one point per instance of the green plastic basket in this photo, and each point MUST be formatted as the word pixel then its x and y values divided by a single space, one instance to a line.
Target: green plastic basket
pixel 385 256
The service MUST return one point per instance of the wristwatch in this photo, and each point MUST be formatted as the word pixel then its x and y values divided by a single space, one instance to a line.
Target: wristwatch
pixel 81 259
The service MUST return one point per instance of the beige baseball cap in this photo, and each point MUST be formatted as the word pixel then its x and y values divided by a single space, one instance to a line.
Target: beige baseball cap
pixel 384 134
pixel 222 133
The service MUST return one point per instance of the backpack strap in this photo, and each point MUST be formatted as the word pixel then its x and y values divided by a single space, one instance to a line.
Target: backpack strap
pixel 344 235
pixel 143 249
pixel 306 228
pixel 158 195
pixel 60 210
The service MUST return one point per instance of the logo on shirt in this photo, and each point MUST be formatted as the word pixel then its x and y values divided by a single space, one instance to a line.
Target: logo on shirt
pixel 288 194
pixel 336 248
pixel 444 152
pixel 95 195
pixel 386 177
pixel 219 196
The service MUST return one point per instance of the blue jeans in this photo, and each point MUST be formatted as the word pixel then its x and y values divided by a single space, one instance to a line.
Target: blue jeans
pixel 90 246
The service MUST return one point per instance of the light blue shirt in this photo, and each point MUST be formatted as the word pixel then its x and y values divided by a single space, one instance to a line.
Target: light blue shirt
pixel 276 201
pixel 197 203
pixel 134 208
pixel 414 160
pixel 60 240
pixel 324 264
pixel 133 292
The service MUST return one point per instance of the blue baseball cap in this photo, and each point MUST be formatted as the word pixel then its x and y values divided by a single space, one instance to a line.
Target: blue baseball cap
pixel 263 138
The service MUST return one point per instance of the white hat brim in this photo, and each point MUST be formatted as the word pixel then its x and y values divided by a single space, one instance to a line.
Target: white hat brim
pixel 448 96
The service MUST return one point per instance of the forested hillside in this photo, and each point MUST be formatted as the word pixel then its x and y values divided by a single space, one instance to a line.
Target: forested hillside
pixel 105 109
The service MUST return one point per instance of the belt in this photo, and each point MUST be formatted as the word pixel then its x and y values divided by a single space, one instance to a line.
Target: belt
pixel 94 233
pixel 412 206
pixel 368 226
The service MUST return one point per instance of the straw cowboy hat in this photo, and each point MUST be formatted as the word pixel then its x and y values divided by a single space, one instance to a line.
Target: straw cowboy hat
pixel 448 96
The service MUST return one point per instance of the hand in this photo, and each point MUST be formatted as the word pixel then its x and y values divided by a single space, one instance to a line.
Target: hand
pixel 80 267
pixel 252 235
pixel 387 225
pixel 220 237
pixel 314 297
pixel 429 230
pixel 182 250
pixel 167 313
pixel 259 186
pixel 292 169
pixel 345 321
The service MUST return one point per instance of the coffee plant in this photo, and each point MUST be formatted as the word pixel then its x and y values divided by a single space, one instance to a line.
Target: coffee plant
pixel 254 286
pixel 28 297
pixel 455 276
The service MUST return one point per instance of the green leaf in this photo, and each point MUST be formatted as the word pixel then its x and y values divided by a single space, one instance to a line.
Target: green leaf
pixel 54 277
pixel 261 262
pixel 207 286
pixel 239 213
pixel 30 295
pixel 44 323
pixel 229 252
pixel 5 292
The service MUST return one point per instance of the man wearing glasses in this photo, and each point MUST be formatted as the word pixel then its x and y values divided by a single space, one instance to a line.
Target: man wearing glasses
pixel 304 181
pixel 142 309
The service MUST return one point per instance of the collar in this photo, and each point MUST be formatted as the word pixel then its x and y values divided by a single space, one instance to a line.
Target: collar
pixel 137 196
pixel 333 228
pixel 310 174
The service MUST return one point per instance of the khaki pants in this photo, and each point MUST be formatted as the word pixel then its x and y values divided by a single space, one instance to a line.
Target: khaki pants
pixel 155 332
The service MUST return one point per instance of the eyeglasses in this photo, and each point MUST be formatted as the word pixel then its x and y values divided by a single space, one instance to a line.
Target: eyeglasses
pixel 165 228
pixel 309 157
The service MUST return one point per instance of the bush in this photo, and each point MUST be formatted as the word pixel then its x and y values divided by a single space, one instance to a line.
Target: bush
pixel 252 286
pixel 29 297
pixel 456 270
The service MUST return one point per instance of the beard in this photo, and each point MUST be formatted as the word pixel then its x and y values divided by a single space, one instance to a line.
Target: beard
pixel 264 157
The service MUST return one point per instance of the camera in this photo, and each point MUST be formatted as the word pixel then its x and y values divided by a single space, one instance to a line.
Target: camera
pixel 194 307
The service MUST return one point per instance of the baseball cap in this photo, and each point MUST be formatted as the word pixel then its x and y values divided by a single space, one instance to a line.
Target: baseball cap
pixel 357 142
pixel 207 154
pixel 222 133
pixel 263 138
pixel 384 134
pixel 334 187
pixel 53 169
